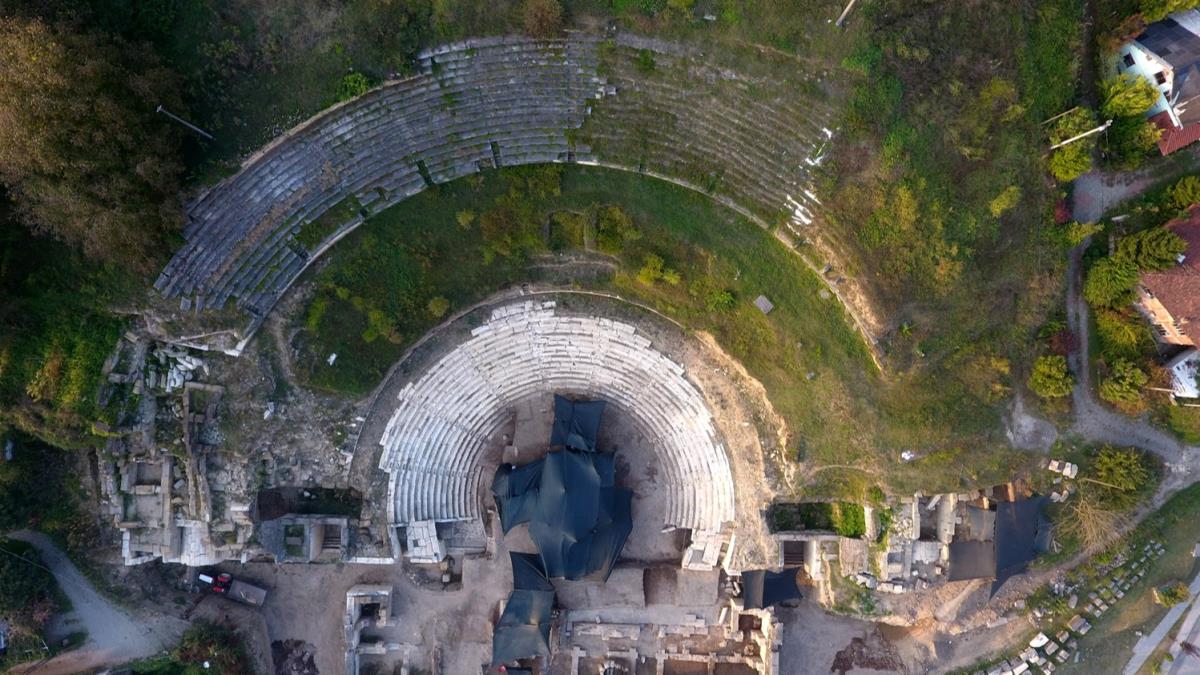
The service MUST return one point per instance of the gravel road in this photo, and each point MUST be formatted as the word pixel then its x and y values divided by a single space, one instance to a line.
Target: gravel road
pixel 114 635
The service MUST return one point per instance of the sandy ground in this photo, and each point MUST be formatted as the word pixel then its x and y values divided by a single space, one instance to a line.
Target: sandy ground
pixel 817 642
pixel 114 635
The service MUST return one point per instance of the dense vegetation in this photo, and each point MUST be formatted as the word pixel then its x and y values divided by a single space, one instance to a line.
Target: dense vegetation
pixel 28 598
pixel 205 647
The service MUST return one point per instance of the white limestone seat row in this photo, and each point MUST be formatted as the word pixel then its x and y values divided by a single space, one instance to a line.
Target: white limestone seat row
pixel 434 438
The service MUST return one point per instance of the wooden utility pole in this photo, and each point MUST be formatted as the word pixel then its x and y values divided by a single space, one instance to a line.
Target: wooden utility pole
pixel 842 18
pixel 1085 134
pixel 184 122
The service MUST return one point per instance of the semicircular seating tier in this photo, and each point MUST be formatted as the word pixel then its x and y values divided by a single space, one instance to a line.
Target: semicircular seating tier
pixel 749 139
pixel 435 439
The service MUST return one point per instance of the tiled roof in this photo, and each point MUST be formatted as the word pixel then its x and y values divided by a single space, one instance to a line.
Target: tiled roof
pixel 1173 138
pixel 1178 288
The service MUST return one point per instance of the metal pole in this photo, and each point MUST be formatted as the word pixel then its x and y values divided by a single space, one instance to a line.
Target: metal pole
pixel 1085 134
pixel 184 122
pixel 1066 112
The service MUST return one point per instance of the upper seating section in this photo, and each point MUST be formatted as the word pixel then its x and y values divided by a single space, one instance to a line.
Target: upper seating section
pixel 435 438
pixel 475 105
pixel 751 138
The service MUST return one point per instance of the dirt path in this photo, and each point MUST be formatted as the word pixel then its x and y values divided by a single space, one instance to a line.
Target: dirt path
pixel 114 636
pixel 1096 192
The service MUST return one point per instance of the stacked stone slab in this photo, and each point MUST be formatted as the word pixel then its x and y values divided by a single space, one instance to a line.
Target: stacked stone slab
pixel 434 441
pixel 752 138
pixel 475 104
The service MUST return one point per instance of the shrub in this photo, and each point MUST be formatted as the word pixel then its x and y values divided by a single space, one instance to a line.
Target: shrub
pixel 1005 200
pixel 1110 282
pixel 614 229
pixel 1185 192
pixel 543 18
pixel 652 269
pixel 1171 594
pixel 720 301
pixel 352 85
pixel 465 219
pixel 644 62
pixel 438 306
pixel 1050 378
pixel 1124 383
pixel 1074 233
pixel 23 582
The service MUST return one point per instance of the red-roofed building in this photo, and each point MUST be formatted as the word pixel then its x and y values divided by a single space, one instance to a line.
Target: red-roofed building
pixel 1170 298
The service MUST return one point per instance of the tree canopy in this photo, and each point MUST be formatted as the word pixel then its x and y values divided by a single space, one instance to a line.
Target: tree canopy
pixel 1127 95
pixel 1075 159
pixel 1155 249
pixel 1110 282
pixel 82 151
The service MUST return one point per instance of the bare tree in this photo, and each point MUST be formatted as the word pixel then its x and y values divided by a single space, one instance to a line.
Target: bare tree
pixel 1091 521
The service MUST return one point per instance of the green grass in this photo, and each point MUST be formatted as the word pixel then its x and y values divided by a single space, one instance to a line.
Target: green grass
pixel 372 297
pixel 313 233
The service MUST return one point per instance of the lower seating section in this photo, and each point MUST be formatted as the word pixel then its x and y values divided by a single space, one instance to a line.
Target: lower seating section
pixel 435 438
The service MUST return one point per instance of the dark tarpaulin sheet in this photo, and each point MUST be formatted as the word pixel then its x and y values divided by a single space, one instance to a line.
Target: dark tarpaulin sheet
pixel 516 492
pixel 524 628
pixel 972 560
pixel 764 588
pixel 576 423
pixel 528 573
pixel 1020 528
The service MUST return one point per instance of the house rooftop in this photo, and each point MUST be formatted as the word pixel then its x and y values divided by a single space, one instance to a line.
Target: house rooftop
pixel 1178 288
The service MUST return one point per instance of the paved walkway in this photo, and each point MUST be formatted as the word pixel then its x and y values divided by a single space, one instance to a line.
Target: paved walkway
pixel 114 636
pixel 1147 644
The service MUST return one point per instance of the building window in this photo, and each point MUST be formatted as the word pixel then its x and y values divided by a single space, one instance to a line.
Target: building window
pixel 1128 58
pixel 1160 77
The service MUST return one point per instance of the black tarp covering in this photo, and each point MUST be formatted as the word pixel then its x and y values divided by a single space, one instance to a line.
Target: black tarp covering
pixel 516 491
pixel 524 628
pixel 972 560
pixel 578 518
pixel 1021 533
pixel 576 423
pixel 764 588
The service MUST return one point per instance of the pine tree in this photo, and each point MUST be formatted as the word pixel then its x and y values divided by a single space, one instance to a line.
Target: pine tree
pixel 1154 249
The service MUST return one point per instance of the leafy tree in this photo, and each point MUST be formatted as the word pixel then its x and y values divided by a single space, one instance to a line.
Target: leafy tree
pixel 465 219
pixel 1075 159
pixel 1156 10
pixel 1110 282
pixel 1185 192
pixel 389 32
pixel 1130 140
pixel 82 151
pixel 1127 95
pixel 1124 383
pixel 1050 378
pixel 543 18
pixel 1155 249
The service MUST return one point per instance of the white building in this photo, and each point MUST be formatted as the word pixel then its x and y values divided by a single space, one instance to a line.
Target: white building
pixel 1167 54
